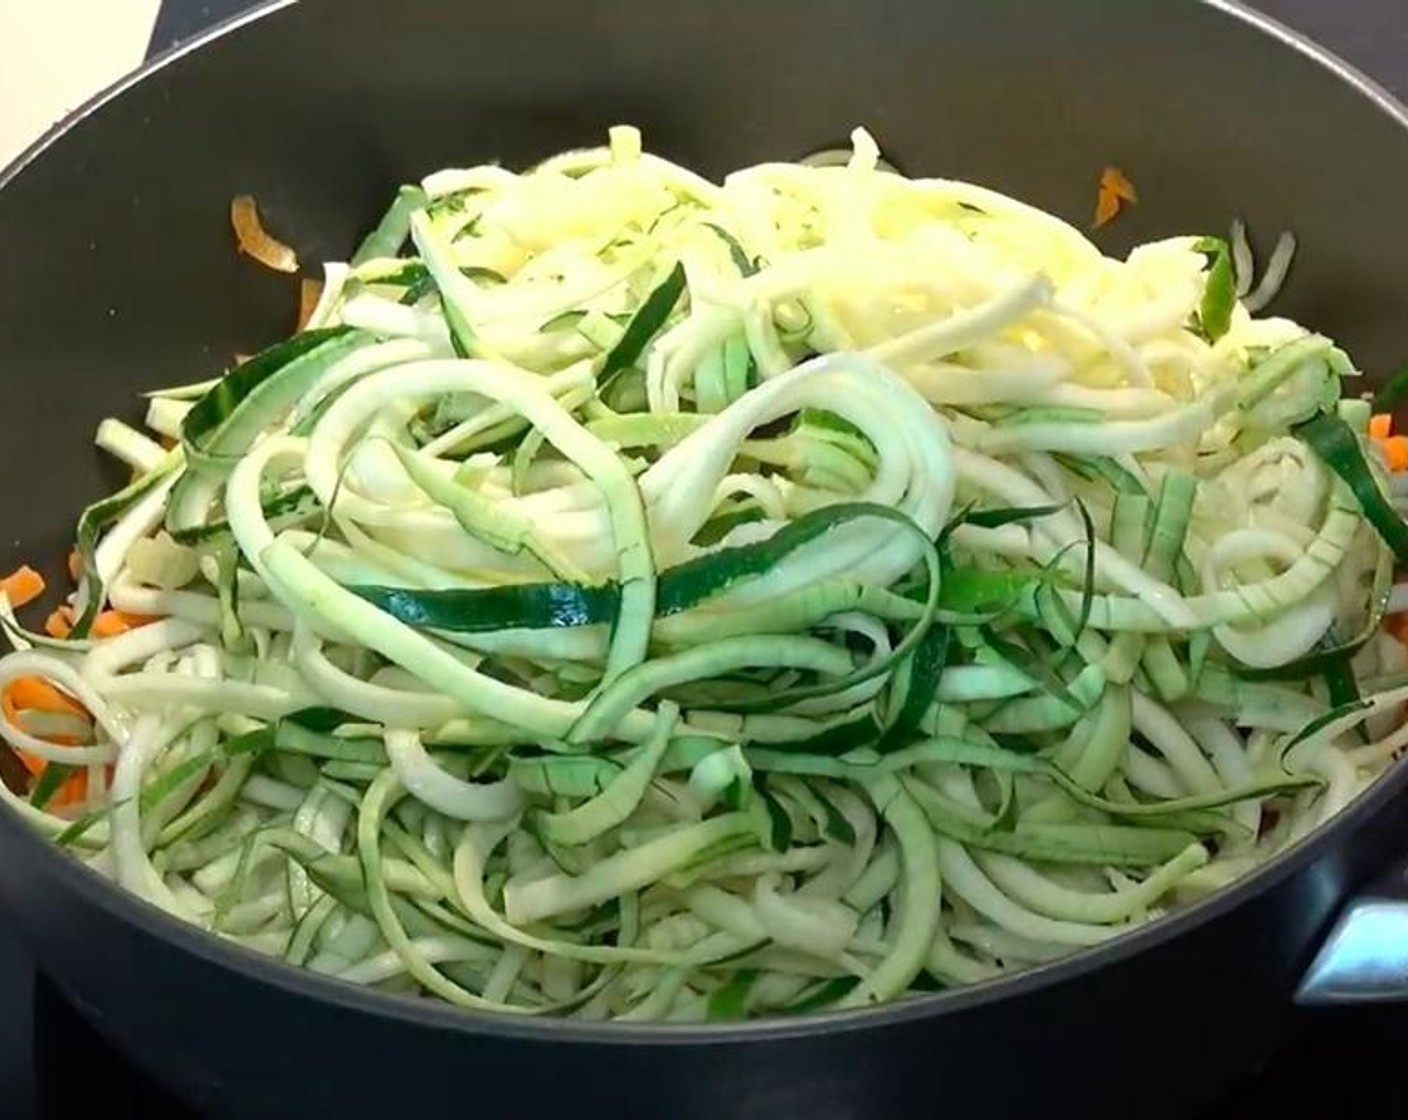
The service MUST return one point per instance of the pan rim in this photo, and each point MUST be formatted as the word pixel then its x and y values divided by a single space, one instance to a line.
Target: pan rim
pixel 424 1013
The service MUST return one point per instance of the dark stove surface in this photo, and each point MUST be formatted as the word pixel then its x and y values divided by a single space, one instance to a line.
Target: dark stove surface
pixel 1344 1063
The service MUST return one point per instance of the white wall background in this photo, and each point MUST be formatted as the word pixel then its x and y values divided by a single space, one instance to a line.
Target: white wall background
pixel 55 54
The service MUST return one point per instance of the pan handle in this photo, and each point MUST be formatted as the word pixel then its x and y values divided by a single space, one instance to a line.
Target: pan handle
pixel 1365 957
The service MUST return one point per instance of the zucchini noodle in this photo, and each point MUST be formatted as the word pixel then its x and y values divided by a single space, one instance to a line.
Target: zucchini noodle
pixel 634 597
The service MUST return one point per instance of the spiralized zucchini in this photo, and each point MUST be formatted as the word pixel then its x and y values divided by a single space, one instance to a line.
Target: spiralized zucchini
pixel 635 597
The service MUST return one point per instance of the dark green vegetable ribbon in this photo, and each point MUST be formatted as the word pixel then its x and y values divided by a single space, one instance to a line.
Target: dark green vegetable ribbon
pixel 645 324
pixel 1335 442
pixel 1220 291
pixel 539 606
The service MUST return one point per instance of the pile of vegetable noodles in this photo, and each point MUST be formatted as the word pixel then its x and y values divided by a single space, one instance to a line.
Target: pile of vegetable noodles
pixel 632 597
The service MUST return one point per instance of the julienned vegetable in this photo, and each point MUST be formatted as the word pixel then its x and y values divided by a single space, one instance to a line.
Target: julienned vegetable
pixel 252 238
pixel 636 597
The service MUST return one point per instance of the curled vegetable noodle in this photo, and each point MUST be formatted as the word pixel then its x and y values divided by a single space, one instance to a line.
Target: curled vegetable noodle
pixel 252 238
pixel 633 596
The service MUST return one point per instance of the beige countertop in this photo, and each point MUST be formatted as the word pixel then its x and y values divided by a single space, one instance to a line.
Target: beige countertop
pixel 55 54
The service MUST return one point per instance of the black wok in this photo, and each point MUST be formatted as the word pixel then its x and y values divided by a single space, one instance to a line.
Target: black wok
pixel 117 272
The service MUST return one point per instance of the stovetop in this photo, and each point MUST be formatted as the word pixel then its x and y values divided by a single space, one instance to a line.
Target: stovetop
pixel 1350 1062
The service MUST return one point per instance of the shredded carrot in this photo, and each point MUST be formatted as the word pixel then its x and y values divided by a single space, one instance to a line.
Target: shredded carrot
pixel 253 240
pixel 1396 452
pixel 59 624
pixel 1118 183
pixel 22 586
pixel 1107 208
pixel 1394 448
pixel 75 564
pixel 309 292
pixel 72 792
pixel 109 624
pixel 74 789
pixel 37 695
pixel 1114 191
pixel 34 694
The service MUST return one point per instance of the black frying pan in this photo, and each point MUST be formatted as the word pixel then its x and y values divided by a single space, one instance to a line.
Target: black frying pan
pixel 116 272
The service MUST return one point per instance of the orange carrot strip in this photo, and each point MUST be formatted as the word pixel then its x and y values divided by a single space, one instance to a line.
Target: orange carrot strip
pixel 1107 208
pixel 1115 181
pixel 72 791
pixel 1114 191
pixel 1396 451
pixel 59 624
pixel 32 693
pixel 38 695
pixel 109 624
pixel 22 586
pixel 254 240
pixel 1381 426
pixel 309 292
pixel 75 565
